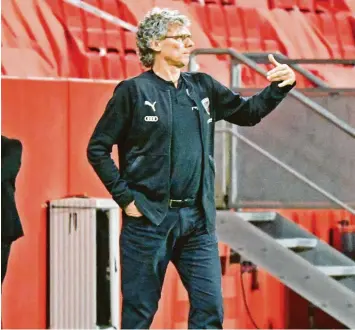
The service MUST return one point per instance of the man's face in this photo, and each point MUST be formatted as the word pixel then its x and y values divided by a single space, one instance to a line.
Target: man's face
pixel 176 46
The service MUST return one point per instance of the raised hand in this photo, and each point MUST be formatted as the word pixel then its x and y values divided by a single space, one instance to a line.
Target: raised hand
pixel 281 72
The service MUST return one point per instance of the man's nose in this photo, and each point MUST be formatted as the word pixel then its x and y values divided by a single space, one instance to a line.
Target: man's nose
pixel 189 43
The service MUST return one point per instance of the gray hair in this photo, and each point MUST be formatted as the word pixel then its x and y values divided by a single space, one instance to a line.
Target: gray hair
pixel 154 26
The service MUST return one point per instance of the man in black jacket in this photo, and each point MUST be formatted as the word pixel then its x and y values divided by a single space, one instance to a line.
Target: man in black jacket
pixel 11 229
pixel 163 123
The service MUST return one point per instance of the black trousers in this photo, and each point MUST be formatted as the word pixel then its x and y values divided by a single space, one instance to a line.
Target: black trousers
pixel 5 252
pixel 146 250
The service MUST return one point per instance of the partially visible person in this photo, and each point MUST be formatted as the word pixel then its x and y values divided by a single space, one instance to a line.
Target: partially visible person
pixel 11 228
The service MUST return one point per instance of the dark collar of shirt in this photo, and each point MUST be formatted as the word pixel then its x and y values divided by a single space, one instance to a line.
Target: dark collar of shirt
pixel 165 83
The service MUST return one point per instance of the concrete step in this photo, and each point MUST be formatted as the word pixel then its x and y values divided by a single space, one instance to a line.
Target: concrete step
pixel 337 271
pixel 297 243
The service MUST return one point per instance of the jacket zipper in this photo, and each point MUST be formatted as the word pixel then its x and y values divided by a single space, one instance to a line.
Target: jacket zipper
pixel 170 125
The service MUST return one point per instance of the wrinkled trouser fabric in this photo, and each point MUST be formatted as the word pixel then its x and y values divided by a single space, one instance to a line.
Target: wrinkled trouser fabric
pixel 146 250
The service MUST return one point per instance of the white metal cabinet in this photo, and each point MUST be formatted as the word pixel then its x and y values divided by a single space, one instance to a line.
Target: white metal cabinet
pixel 72 262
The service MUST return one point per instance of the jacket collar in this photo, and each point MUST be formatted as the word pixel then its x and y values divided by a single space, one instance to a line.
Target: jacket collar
pixel 162 83
pixel 167 85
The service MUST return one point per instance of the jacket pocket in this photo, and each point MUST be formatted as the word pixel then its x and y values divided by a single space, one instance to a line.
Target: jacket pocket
pixel 149 174
pixel 133 169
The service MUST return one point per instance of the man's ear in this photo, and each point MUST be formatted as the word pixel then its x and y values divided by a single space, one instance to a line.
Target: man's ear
pixel 155 45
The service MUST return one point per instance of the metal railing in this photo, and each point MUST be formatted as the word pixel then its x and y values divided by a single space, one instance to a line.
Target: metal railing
pixel 262 58
pixel 288 168
pixel 323 112
pixel 102 14
pixel 305 100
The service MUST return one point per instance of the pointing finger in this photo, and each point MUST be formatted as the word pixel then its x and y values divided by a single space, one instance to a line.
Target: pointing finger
pixel 272 60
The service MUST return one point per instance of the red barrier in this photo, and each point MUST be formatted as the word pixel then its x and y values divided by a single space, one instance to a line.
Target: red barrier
pixel 54 120
pixel 36 113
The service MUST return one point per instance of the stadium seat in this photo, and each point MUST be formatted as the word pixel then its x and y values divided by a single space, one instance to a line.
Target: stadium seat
pixel 306 5
pixel 261 81
pixel 323 5
pixel 303 82
pixel 323 24
pixel 283 4
pixel 228 2
pixel 217 2
pixel 259 4
pixel 235 28
pixel 110 6
pixel 247 77
pixel 302 42
pixel 217 26
pixel 331 5
pixel 27 15
pixel 94 33
pixel 269 38
pixel 95 69
pixel 346 34
pixel 73 18
pixel 95 66
pixel 12 59
pixel 114 66
pixel 13 23
pixel 61 44
pixel 200 13
pixel 351 6
pixel 126 14
pixel 133 66
pixel 252 28
pixel 113 32
pixel 329 31
pixel 8 38
pixel 314 20
pixel 23 28
pixel 11 63
pixel 341 5
pixel 57 8
pixel 129 42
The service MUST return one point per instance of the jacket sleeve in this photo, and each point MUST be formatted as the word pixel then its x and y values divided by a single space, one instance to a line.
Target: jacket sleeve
pixel 111 129
pixel 10 158
pixel 246 111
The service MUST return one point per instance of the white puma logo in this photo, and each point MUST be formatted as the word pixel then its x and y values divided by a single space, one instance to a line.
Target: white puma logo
pixel 151 105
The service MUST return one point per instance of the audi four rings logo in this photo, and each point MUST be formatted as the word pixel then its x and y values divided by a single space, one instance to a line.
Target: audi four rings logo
pixel 151 118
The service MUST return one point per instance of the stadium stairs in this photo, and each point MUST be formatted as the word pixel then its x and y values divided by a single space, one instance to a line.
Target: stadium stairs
pixel 307 265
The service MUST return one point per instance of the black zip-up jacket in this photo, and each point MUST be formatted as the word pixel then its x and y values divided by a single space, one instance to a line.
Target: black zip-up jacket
pixel 138 118
pixel 11 153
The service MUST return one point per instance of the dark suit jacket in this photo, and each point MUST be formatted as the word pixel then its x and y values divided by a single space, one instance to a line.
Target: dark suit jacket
pixel 11 151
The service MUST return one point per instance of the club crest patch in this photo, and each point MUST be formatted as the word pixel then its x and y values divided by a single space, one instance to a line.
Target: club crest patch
pixel 206 104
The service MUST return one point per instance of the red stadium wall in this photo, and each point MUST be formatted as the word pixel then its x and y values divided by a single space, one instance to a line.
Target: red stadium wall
pixel 54 120
pixel 36 113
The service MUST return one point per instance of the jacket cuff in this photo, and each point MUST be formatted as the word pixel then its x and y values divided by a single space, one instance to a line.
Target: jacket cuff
pixel 124 200
pixel 281 91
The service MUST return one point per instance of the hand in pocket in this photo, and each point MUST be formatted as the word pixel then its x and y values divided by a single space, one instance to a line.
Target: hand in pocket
pixel 132 211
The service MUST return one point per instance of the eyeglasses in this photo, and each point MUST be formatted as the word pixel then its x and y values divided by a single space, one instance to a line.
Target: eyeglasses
pixel 180 37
